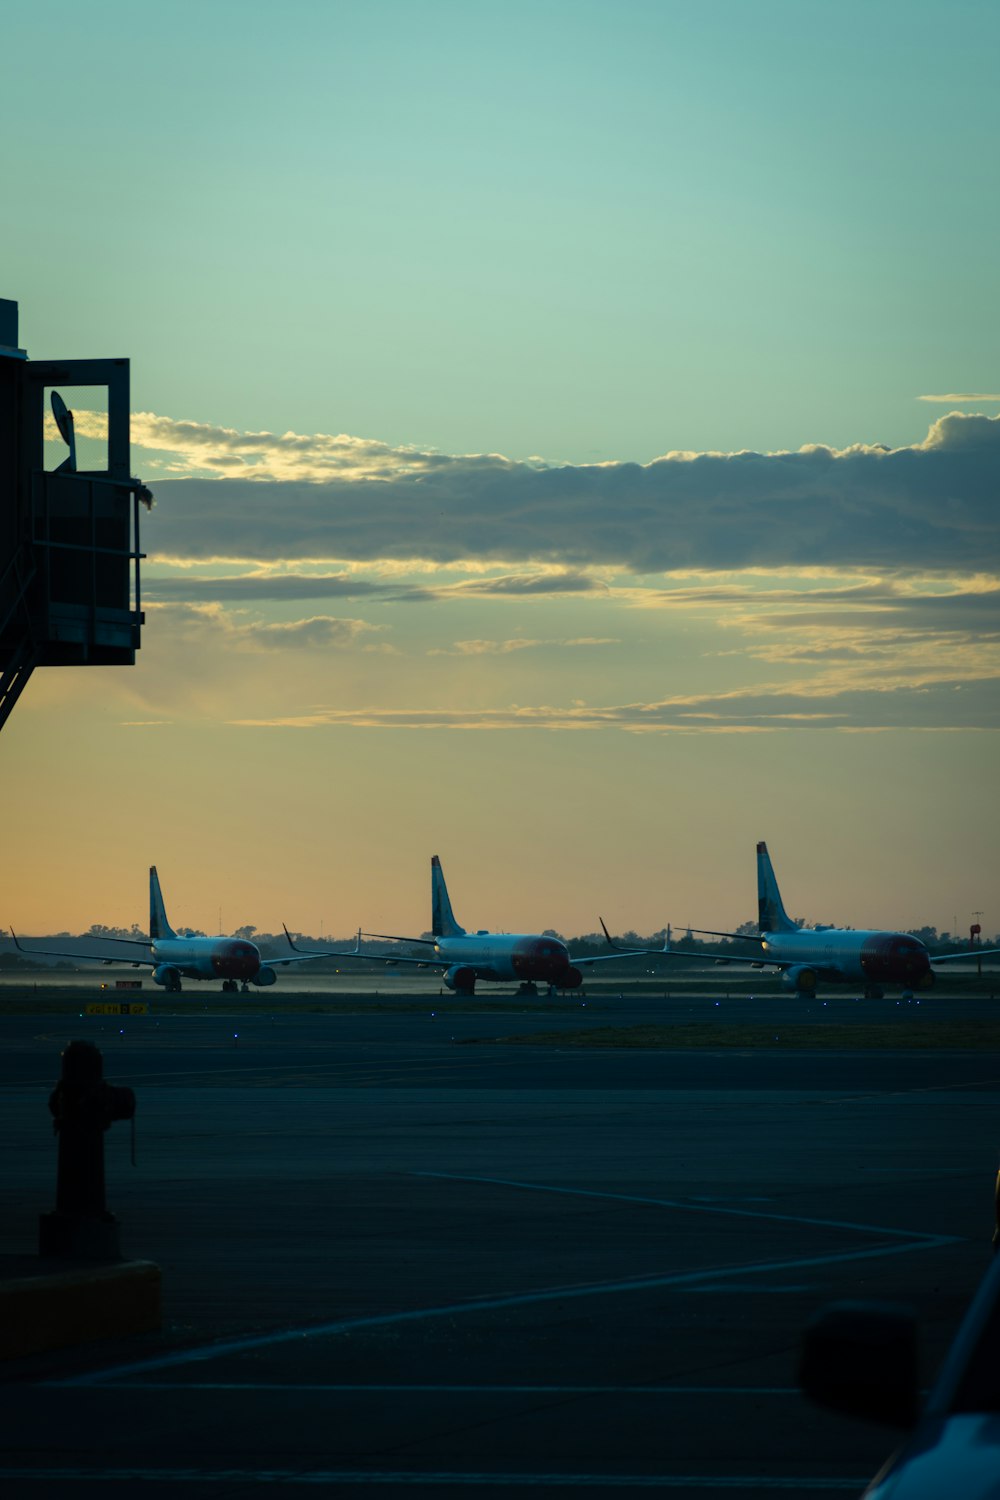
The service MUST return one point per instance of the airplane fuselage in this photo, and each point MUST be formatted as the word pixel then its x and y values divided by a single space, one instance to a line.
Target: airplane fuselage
pixel 527 957
pixel 843 953
pixel 206 958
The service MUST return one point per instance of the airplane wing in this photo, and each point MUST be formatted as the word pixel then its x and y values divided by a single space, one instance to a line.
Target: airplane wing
pixel 304 958
pixel 619 953
pixel 388 937
pixel 94 958
pixel 669 951
pixel 134 942
pixel 372 958
pixel 740 937
pixel 947 958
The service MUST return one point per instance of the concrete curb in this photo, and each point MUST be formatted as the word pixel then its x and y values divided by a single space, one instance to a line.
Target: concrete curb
pixel 76 1304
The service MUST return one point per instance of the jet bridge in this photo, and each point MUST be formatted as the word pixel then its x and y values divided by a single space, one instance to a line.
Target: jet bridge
pixel 69 536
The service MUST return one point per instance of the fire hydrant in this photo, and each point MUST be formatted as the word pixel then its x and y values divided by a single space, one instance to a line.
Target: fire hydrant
pixel 83 1107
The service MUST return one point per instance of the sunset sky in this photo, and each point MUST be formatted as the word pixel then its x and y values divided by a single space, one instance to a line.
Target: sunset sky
pixel 575 434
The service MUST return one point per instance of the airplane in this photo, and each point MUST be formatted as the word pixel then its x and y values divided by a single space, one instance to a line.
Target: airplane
pixel 467 957
pixel 806 955
pixel 233 960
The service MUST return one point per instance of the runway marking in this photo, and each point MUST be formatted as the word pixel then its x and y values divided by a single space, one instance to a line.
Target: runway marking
pixel 767 1484
pixel 245 1344
pixel 363 1073
pixel 713 1391
pixel 699 1206
pixel 930 1088
pixel 758 1291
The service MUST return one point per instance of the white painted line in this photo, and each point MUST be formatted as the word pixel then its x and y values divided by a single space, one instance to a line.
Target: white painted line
pixel 713 1391
pixel 930 1088
pixel 699 1206
pixel 763 1483
pixel 478 1305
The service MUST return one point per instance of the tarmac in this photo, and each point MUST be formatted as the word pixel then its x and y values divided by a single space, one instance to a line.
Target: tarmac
pixel 399 1253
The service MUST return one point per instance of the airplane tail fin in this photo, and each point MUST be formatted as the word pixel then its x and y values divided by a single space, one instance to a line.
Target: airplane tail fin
pixel 771 915
pixel 443 922
pixel 159 927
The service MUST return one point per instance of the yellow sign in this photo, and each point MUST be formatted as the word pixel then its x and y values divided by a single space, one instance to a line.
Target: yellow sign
pixel 117 1008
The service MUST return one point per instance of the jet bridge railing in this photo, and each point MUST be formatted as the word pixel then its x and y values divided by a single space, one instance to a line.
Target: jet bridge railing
pixel 86 601
pixel 69 536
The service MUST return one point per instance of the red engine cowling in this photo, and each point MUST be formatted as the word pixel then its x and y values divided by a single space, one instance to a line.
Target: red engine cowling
pixel 571 979
pixel 461 977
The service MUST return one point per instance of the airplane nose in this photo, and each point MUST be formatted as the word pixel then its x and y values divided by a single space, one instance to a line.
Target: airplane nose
pixel 242 960
pixel 546 959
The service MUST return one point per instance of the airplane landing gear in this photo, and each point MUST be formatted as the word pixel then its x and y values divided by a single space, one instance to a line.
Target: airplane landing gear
pixel 552 992
pixel 527 987
pixel 873 992
pixel 229 986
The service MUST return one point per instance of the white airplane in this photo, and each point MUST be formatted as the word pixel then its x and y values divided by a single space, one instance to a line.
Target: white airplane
pixel 806 955
pixel 467 957
pixel 233 960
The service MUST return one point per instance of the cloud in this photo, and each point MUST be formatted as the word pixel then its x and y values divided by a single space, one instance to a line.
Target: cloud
pixel 956 604
pixel 944 706
pixel 525 584
pixel 265 455
pixel 873 654
pixel 260 587
pixel 930 506
pixel 864 635
pixel 192 624
pixel 505 648
pixel 305 635
pixel 961 396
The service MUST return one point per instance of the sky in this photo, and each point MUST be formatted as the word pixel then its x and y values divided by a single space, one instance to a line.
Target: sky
pixel 575 435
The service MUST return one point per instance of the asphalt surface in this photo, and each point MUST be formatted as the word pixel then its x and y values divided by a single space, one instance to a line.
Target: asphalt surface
pixel 398 1253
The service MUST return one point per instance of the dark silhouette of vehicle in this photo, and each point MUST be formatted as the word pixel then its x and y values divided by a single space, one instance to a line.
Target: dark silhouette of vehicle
pixel 861 1359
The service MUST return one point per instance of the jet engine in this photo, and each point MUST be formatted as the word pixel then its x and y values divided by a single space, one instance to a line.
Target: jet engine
pixel 168 976
pixel 264 976
pixel 570 980
pixel 799 978
pixel 461 977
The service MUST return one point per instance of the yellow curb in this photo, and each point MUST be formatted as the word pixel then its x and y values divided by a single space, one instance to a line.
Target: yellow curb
pixel 76 1306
